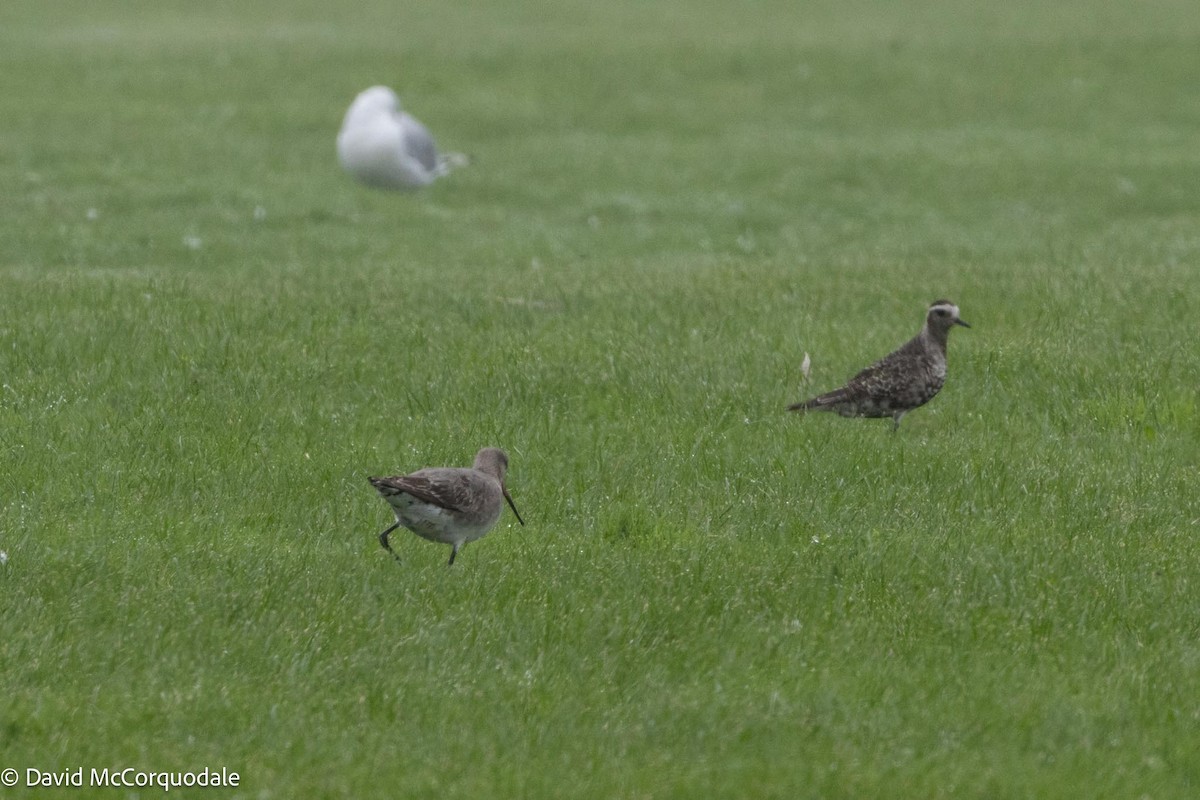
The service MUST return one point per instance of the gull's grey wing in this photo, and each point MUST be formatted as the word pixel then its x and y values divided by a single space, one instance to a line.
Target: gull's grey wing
pixel 418 141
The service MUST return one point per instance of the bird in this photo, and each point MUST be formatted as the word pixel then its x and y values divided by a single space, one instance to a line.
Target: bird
pixel 384 147
pixel 449 504
pixel 905 379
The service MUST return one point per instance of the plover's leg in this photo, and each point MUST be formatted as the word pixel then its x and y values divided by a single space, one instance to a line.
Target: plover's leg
pixel 896 420
pixel 453 553
pixel 383 540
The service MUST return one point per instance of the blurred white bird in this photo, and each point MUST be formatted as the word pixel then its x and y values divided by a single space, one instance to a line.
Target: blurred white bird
pixel 382 146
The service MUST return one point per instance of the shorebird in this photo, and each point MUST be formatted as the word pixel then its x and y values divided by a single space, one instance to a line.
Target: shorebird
pixel 384 147
pixel 448 504
pixel 905 379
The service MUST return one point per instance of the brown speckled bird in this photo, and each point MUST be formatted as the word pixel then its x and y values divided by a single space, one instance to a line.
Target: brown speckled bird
pixel 448 504
pixel 905 379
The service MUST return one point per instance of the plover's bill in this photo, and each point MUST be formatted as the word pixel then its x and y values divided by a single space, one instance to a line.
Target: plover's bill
pixel 903 380
pixel 449 504
pixel 384 147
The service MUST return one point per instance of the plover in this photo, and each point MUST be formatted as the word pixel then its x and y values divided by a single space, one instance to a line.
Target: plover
pixel 384 147
pixel 905 379
pixel 449 504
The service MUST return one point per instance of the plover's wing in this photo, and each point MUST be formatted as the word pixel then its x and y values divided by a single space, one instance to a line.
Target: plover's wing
pixel 451 492
pixel 878 382
pixel 823 401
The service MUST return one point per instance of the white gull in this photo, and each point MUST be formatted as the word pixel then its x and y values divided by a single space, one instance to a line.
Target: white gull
pixel 384 147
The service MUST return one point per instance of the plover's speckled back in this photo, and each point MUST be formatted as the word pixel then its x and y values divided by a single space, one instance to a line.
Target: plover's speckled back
pixel 903 380
pixel 449 504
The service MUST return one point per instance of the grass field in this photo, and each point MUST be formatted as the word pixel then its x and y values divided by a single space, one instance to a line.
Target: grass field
pixel 209 336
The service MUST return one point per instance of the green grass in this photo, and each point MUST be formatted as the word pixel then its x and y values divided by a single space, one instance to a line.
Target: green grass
pixel 209 336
